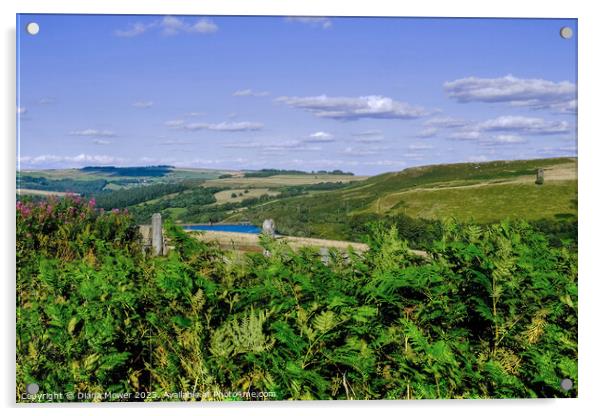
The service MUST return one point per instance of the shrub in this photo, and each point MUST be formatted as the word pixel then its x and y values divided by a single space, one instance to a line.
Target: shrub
pixel 490 312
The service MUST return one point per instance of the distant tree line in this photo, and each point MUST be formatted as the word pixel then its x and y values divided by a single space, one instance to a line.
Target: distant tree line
pixel 79 186
pixel 217 213
pixel 159 170
pixel 263 173
pixel 87 187
pixel 322 186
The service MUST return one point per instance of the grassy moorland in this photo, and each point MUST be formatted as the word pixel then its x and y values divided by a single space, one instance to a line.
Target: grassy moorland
pixel 479 192
pixel 279 181
pixel 485 203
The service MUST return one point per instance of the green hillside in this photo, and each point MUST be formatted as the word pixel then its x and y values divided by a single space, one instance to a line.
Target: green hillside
pixel 483 192
pixel 326 205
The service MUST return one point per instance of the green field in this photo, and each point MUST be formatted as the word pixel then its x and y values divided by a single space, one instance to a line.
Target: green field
pixel 226 196
pixel 486 203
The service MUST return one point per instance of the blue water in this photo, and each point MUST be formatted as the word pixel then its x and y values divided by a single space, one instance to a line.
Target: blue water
pixel 232 228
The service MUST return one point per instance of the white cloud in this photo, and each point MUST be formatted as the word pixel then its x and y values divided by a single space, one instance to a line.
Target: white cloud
pixel 368 133
pixel 143 104
pixel 172 142
pixel 214 162
pixel 84 158
pixel 368 140
pixel 169 26
pixel 466 135
pixel 385 162
pixel 369 136
pixel 420 146
pixel 81 159
pixel 21 110
pixel 243 145
pixel 510 128
pixel 274 147
pixel 558 151
pixel 157 160
pixel 322 22
pixel 565 107
pixel 101 142
pixel 445 122
pixel 525 125
pixel 319 164
pixel 413 156
pixel 371 151
pixel 502 140
pixel 93 133
pixel 354 108
pixel 195 114
pixel 534 93
pixel 433 125
pixel 320 137
pixel 204 26
pixel 46 100
pixel 428 132
pixel 250 93
pixel 509 138
pixel 175 123
pixel 134 29
pixel 280 148
pixel 223 126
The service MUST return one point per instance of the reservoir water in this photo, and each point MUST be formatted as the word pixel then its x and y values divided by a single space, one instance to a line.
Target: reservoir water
pixel 232 228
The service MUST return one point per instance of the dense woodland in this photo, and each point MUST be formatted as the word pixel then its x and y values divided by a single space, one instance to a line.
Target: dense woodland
pixel 87 187
pixel 124 198
pixel 490 313
pixel 143 171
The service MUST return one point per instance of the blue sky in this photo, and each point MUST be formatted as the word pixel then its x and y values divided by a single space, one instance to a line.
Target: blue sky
pixel 367 95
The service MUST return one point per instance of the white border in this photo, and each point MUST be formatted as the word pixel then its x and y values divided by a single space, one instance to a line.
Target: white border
pixel 590 68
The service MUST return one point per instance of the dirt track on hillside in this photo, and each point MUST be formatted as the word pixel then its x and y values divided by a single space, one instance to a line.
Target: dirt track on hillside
pixel 562 172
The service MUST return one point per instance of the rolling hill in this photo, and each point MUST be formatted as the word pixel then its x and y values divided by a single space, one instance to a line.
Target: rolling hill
pixel 479 192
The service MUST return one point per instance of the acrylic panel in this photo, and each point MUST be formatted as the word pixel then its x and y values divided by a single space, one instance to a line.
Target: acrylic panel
pixel 287 208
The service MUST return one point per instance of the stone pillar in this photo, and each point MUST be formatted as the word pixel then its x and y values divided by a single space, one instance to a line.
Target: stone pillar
pixel 268 228
pixel 157 234
pixel 324 255
pixel 539 180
